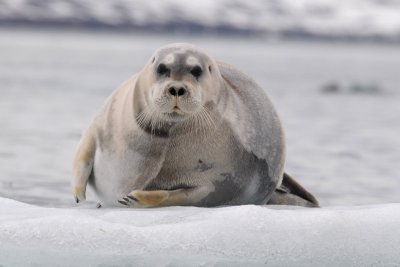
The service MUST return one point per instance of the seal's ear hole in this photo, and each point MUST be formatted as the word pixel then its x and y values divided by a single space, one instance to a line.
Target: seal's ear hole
pixel 163 70
pixel 196 71
pixel 152 61
pixel 209 69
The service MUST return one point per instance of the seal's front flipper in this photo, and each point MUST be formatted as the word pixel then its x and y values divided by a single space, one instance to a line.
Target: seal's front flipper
pixel 83 165
pixel 145 199
pixel 163 198
pixel 292 193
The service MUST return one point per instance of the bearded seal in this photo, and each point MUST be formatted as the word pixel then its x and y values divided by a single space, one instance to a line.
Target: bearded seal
pixel 186 130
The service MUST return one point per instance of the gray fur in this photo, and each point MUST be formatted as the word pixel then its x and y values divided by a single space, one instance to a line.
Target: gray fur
pixel 202 166
pixel 223 146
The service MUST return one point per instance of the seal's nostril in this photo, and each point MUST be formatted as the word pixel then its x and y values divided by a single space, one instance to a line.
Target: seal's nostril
pixel 172 91
pixel 181 91
pixel 177 92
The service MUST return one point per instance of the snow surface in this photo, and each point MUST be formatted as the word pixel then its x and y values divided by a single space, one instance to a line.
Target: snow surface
pixel 188 236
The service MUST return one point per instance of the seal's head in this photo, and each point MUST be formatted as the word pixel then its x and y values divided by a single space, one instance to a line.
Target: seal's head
pixel 179 81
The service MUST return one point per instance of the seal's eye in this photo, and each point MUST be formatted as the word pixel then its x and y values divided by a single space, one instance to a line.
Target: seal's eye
pixel 196 72
pixel 163 70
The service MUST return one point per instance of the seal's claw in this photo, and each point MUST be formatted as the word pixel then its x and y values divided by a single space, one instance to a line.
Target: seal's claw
pixel 79 194
pixel 129 201
pixel 123 202
pixel 131 197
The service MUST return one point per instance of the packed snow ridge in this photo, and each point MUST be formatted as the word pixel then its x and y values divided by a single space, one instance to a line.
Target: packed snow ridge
pixel 304 18
pixel 188 236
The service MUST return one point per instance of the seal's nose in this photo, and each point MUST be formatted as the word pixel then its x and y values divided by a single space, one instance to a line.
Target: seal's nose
pixel 177 91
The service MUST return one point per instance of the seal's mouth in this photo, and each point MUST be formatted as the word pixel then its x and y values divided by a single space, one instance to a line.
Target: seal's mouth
pixel 175 114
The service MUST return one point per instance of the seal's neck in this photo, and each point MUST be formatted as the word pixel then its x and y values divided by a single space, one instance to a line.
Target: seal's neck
pixel 156 128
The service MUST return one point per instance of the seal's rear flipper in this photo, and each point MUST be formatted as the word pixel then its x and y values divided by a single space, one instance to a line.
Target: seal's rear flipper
pixel 292 193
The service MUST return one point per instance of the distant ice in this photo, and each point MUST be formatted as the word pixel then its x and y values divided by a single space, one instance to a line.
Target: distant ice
pixel 189 236
pixel 307 18
pixel 354 88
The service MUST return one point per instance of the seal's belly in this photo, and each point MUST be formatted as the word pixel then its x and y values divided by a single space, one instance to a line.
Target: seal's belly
pixel 223 164
pixel 195 155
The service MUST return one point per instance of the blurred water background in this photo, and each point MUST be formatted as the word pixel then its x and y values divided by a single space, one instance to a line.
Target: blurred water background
pixel 337 91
